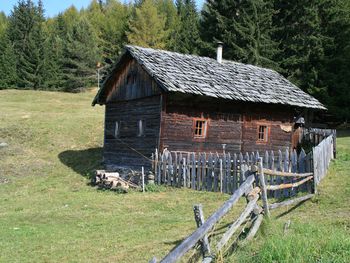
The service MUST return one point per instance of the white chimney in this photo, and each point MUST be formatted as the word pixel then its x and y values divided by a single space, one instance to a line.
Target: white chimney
pixel 219 52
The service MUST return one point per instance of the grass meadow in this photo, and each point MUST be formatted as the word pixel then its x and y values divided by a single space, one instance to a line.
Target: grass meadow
pixel 50 213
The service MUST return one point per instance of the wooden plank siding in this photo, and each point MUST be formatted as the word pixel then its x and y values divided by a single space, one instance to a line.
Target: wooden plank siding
pixel 231 123
pixel 128 149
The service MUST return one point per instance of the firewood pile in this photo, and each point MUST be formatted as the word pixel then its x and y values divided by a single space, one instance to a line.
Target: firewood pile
pixel 112 180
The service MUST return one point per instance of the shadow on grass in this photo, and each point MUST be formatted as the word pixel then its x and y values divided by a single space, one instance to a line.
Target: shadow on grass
pixel 83 162
pixel 291 209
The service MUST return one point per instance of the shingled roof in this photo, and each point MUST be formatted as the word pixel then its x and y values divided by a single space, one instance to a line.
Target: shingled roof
pixel 176 72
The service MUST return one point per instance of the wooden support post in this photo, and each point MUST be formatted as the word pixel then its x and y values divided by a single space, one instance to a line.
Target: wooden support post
pixel 199 217
pixel 143 179
pixel 263 188
pixel 184 172
pixel 221 176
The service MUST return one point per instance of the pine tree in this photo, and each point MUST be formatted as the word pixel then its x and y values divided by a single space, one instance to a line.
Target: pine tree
pixel 188 37
pixel 301 42
pixel 168 10
pixel 8 76
pixel 80 56
pixel 26 36
pixel 334 72
pixel 147 27
pixel 245 27
pixel 109 22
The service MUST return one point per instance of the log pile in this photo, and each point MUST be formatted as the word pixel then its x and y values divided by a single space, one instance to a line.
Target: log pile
pixel 112 180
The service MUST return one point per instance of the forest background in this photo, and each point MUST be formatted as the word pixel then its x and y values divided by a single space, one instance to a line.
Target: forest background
pixel 307 41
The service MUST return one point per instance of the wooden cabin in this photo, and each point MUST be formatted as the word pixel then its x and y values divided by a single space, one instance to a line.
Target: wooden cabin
pixel 157 99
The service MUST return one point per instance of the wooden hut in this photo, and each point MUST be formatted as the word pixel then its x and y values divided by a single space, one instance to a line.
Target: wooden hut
pixel 157 99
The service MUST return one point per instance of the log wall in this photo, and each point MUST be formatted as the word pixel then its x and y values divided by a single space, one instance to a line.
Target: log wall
pixel 234 124
pixel 128 149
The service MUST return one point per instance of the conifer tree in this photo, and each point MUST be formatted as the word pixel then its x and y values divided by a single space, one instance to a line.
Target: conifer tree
pixel 245 27
pixel 8 76
pixel 147 27
pixel 25 33
pixel 301 42
pixel 188 37
pixel 80 56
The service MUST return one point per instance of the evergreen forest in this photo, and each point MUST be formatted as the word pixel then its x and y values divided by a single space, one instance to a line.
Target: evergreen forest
pixel 307 41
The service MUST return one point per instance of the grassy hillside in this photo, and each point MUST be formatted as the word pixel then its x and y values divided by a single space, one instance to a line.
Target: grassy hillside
pixel 49 213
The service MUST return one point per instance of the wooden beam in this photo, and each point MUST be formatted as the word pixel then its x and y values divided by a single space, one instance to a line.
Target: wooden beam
pixel 197 235
pixel 234 227
pixel 199 217
pixel 291 201
pixel 276 173
pixel 263 187
pixel 254 229
pixel 290 185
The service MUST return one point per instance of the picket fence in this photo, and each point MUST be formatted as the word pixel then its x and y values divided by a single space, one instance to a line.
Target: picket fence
pixel 225 172
pixel 322 156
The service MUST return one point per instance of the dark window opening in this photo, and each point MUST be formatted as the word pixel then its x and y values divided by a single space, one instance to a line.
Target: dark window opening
pixel 140 128
pixel 200 129
pixel 263 133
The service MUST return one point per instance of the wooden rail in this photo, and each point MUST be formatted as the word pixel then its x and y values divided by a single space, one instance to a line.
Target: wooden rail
pixel 202 230
pixel 286 174
pixel 291 185
pixel 225 174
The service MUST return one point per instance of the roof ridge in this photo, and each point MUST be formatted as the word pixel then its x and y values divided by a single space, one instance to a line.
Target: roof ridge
pixel 198 56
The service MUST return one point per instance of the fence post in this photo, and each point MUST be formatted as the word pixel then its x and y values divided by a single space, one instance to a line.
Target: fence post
pixel 184 172
pixel 263 188
pixel 220 175
pixel 143 179
pixel 199 217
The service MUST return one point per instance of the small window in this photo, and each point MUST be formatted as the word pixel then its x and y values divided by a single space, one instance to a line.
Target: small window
pixel 117 129
pixel 200 128
pixel 263 133
pixel 140 128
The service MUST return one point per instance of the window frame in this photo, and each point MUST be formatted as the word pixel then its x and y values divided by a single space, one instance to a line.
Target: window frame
pixel 266 134
pixel 205 129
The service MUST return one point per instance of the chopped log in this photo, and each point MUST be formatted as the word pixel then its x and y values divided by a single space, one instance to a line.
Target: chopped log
pixel 234 227
pixel 290 185
pixel 277 173
pixel 191 240
pixel 254 229
pixel 292 201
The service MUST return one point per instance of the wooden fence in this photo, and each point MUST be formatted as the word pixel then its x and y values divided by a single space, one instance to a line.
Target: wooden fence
pixel 253 214
pixel 322 156
pixel 240 174
pixel 225 172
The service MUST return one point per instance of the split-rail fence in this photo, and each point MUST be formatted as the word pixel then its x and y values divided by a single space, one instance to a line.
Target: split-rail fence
pixel 251 176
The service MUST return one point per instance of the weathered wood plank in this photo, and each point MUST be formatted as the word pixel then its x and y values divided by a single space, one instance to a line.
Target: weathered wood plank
pixel 199 218
pixel 291 201
pixel 197 235
pixel 263 188
pixel 276 173
pixel 234 227
pixel 288 185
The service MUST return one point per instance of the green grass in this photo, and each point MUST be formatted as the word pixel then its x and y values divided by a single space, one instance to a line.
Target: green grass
pixel 49 213
pixel 320 228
